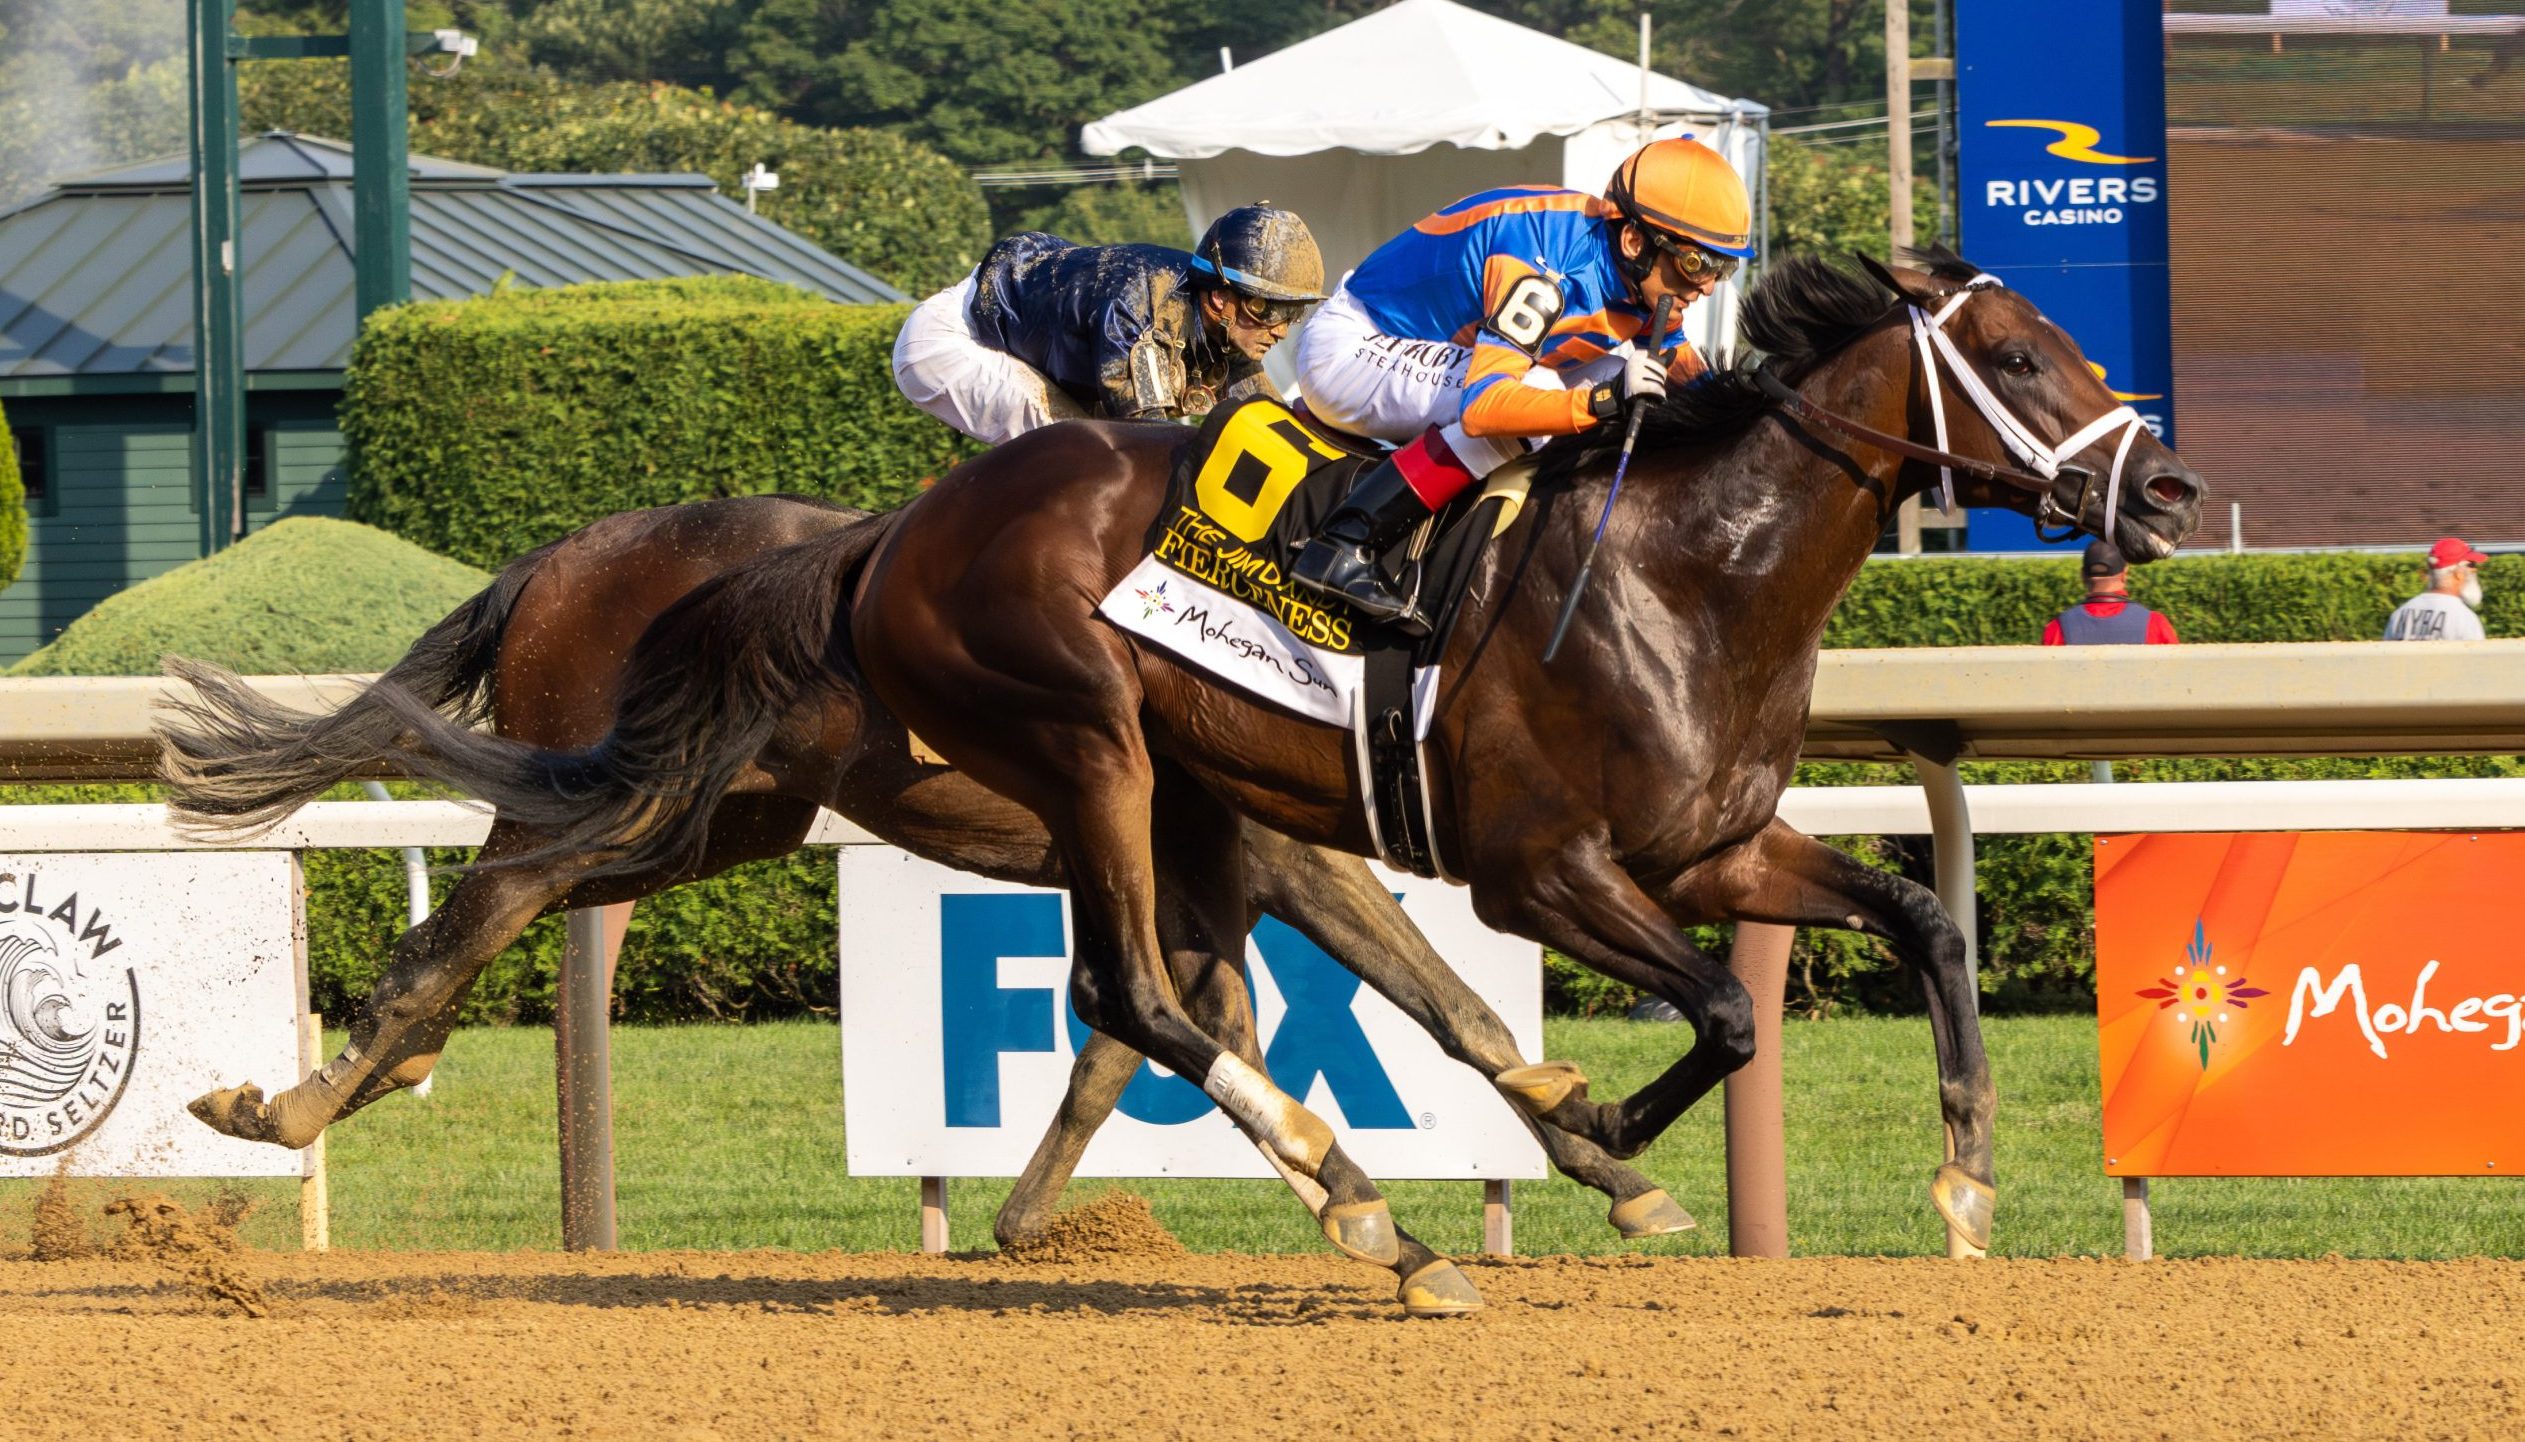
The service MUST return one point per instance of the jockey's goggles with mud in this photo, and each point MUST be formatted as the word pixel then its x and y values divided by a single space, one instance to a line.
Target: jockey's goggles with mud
pixel 1261 311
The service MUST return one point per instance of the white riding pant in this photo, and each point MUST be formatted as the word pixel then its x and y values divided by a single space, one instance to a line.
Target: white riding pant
pixel 987 394
pixel 1392 388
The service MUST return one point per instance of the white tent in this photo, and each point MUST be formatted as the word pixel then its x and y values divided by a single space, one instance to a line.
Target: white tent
pixel 1365 129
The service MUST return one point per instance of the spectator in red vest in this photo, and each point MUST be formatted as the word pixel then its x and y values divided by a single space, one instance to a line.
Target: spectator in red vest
pixel 2108 616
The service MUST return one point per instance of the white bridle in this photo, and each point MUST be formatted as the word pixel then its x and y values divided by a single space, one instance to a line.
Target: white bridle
pixel 1928 332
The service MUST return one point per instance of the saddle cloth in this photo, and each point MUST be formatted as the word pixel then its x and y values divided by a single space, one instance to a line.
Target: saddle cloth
pixel 1214 589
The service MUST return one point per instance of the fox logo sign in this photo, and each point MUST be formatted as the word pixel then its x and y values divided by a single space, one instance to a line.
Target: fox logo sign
pixel 957 1040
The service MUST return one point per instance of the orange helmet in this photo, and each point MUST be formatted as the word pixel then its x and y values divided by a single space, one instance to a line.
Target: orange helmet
pixel 1681 190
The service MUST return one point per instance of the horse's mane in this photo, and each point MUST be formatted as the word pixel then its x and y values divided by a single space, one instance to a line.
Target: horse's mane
pixel 1801 313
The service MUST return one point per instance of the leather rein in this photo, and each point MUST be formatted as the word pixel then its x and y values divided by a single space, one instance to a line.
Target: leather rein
pixel 2047 463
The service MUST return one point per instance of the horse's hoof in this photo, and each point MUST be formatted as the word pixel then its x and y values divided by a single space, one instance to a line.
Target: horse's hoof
pixel 1966 1202
pixel 237 1111
pixel 1364 1230
pixel 1650 1214
pixel 1543 1086
pixel 1438 1290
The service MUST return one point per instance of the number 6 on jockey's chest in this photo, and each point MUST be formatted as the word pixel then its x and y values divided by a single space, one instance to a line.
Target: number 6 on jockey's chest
pixel 1525 315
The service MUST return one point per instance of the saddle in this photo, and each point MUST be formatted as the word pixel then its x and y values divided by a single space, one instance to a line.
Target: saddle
pixel 1214 591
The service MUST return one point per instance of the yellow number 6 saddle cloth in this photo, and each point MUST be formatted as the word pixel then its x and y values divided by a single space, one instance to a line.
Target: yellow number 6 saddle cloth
pixel 1214 592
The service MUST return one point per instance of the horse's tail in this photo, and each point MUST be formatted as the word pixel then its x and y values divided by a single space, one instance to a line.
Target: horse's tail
pixel 704 692
pixel 239 761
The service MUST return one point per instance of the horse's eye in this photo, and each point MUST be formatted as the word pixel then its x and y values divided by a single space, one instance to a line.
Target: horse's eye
pixel 2016 363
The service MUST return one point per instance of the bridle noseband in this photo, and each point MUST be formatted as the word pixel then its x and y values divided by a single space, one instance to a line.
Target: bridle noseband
pixel 2043 463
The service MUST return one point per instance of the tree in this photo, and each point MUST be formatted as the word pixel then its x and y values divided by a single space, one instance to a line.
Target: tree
pixel 985 81
pixel 892 207
pixel 1116 215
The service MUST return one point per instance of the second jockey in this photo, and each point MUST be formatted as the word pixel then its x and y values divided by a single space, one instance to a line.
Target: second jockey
pixel 1046 330
pixel 1507 318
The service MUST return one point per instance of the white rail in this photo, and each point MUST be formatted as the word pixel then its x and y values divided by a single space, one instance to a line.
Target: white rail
pixel 2482 804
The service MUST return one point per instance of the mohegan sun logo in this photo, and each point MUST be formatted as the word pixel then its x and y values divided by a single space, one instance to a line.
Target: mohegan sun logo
pixel 1154 601
pixel 2204 993
pixel 69 1021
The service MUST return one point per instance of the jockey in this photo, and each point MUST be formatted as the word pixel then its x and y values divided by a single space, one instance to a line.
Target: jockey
pixel 1045 330
pixel 1508 317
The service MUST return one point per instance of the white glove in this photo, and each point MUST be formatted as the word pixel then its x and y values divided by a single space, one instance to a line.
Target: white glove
pixel 1642 377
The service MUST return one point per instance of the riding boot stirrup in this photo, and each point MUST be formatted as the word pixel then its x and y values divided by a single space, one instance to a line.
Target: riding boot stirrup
pixel 1340 559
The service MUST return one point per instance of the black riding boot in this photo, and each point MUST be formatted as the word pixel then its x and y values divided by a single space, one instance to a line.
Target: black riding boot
pixel 1340 559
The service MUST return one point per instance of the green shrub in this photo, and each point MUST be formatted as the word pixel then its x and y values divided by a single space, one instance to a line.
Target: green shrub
pixel 2210 598
pixel 481 429
pixel 307 595
pixel 757 941
pixel 12 509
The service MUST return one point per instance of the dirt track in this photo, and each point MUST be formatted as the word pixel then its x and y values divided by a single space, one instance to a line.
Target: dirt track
pixel 764 1344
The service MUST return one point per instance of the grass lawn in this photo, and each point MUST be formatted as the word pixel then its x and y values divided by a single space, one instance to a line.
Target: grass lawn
pixel 731 1137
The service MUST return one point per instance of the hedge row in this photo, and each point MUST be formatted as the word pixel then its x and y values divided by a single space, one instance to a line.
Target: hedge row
pixel 484 428
pixel 12 508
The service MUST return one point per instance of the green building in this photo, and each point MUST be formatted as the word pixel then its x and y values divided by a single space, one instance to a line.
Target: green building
pixel 96 331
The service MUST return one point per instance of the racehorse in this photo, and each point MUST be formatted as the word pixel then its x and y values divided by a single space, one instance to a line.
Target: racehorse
pixel 538 654
pixel 1582 813
pixel 1600 805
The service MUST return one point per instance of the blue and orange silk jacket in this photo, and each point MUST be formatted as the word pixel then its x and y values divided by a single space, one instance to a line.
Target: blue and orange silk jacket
pixel 1485 272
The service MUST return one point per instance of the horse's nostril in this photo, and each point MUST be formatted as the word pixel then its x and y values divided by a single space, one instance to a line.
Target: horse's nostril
pixel 2169 490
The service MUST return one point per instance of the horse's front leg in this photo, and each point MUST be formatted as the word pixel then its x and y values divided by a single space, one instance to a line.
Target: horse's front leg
pixel 1789 878
pixel 1579 900
pixel 1335 901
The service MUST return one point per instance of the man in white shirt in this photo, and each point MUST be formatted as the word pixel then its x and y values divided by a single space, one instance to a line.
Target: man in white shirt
pixel 2443 612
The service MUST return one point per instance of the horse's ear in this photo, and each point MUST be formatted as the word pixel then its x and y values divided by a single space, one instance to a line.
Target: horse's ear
pixel 1912 290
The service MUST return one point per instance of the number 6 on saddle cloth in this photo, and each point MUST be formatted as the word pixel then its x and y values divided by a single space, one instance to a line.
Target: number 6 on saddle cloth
pixel 1214 592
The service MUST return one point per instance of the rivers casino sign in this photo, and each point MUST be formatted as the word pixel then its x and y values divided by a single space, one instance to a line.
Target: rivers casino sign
pixel 2061 110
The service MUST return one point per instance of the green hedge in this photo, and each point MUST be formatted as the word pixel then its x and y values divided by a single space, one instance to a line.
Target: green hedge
pixel 755 942
pixel 12 509
pixel 2249 597
pixel 306 595
pixel 484 428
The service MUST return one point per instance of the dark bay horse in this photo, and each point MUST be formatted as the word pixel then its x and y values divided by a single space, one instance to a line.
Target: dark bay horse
pixel 539 654
pixel 1600 806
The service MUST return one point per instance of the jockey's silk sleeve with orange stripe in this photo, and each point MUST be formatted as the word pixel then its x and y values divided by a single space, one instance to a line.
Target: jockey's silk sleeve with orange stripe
pixel 1525 276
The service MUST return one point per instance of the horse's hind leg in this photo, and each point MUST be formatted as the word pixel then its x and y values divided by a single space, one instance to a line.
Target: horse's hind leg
pixel 1790 878
pixel 1335 901
pixel 399 1031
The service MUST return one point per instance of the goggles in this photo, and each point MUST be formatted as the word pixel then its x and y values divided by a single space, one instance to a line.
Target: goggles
pixel 1696 263
pixel 1262 312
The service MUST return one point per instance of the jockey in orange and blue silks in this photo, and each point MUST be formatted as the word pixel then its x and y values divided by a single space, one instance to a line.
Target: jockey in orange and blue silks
pixel 1507 318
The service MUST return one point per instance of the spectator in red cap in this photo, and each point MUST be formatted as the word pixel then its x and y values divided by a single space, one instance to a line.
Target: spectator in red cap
pixel 2443 612
pixel 2108 616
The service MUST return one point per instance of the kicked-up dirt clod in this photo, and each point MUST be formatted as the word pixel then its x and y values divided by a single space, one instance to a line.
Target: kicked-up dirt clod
pixel 1114 1224
pixel 159 1229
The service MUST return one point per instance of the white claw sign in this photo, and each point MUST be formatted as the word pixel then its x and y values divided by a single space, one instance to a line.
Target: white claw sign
pixel 130 984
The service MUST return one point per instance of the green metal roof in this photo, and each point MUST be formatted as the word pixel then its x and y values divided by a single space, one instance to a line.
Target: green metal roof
pixel 96 276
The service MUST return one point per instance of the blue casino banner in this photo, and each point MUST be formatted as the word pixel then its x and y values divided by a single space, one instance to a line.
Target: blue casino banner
pixel 2062 187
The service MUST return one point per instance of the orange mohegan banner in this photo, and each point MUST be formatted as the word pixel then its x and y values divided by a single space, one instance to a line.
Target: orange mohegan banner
pixel 2311 1004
